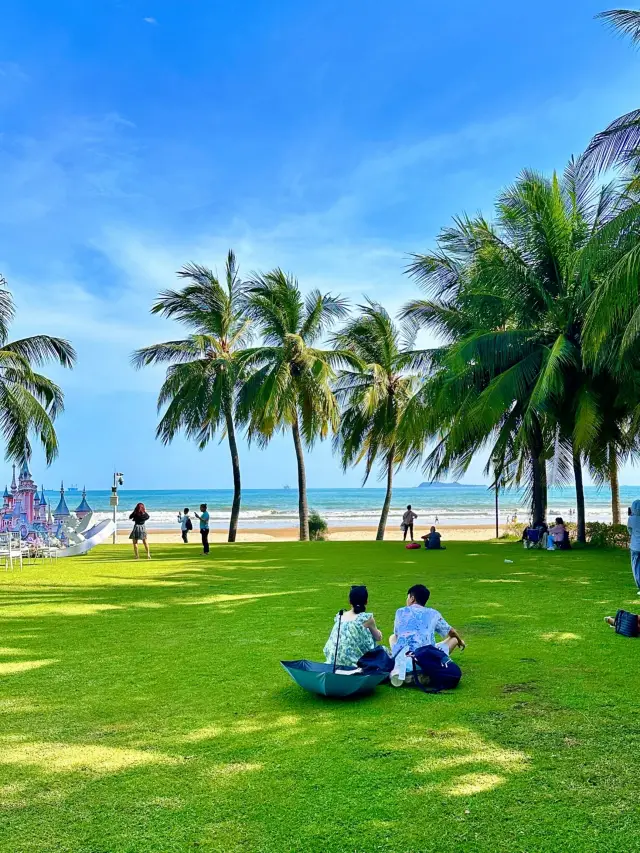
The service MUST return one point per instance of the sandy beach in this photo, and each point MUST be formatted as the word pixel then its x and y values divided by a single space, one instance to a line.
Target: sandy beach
pixel 460 533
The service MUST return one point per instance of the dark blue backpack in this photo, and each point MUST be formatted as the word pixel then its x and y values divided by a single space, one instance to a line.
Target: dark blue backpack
pixel 442 672
pixel 377 660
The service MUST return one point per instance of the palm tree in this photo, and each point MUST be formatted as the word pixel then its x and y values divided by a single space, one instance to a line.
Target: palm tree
pixel 290 383
pixel 511 299
pixel 374 395
pixel 619 143
pixel 200 388
pixel 29 401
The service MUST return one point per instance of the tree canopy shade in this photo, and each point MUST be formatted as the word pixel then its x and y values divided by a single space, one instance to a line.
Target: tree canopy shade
pixel 289 385
pixel 374 394
pixel 199 392
pixel 29 401
pixel 510 298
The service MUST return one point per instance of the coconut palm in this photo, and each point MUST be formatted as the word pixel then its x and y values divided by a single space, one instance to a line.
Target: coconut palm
pixel 29 401
pixel 289 387
pixel 374 395
pixel 619 143
pixel 199 392
pixel 511 299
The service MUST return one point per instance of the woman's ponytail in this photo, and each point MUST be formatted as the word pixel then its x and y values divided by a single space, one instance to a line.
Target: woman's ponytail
pixel 358 598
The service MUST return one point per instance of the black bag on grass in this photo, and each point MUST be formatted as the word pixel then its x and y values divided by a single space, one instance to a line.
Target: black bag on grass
pixel 442 672
pixel 626 623
pixel 377 660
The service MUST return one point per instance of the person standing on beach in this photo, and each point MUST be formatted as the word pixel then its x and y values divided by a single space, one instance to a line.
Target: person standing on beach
pixel 139 533
pixel 185 524
pixel 407 523
pixel 204 527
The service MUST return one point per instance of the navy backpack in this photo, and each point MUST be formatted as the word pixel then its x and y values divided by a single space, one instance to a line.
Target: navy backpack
pixel 443 673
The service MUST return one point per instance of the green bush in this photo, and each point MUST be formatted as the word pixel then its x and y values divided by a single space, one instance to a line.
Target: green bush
pixel 318 527
pixel 602 535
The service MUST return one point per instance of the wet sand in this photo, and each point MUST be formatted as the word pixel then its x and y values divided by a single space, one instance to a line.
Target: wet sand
pixel 393 533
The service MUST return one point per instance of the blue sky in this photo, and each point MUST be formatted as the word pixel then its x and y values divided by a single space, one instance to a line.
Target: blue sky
pixel 329 138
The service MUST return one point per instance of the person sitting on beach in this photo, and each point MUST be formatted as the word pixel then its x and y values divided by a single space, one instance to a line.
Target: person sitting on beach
pixel 416 625
pixel 560 535
pixel 139 533
pixel 407 523
pixel 358 631
pixel 432 541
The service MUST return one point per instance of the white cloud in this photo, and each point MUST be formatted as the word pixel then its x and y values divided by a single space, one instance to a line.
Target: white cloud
pixel 151 21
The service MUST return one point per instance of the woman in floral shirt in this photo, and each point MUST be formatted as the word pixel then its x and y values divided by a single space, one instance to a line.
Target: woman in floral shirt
pixel 358 631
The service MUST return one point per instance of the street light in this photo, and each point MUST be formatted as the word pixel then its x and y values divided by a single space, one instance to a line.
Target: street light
pixel 118 480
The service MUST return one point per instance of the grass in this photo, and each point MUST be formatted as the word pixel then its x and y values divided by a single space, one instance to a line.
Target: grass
pixel 143 708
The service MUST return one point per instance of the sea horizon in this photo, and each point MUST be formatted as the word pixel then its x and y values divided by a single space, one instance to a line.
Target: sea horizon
pixel 448 505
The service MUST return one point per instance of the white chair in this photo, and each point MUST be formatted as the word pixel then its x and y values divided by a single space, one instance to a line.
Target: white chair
pixel 10 549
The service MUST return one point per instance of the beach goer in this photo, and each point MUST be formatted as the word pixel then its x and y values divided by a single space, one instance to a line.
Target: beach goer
pixel 416 625
pixel 358 631
pixel 560 535
pixel 407 523
pixel 139 533
pixel 432 540
pixel 611 620
pixel 633 525
pixel 185 524
pixel 203 517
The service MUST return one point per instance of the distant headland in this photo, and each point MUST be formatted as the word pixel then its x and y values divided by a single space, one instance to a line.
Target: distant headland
pixel 438 485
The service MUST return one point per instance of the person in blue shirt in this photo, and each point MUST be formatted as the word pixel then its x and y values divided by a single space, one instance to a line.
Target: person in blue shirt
pixel 416 625
pixel 633 524
pixel 204 527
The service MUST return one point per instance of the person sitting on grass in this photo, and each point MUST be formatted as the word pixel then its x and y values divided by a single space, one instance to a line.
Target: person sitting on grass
pixel 432 541
pixel 358 631
pixel 560 535
pixel 416 625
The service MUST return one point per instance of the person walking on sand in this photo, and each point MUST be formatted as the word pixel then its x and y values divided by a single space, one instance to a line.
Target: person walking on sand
pixel 204 527
pixel 185 524
pixel 407 523
pixel 139 533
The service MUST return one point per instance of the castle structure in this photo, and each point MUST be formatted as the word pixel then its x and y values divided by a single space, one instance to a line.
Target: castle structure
pixel 27 512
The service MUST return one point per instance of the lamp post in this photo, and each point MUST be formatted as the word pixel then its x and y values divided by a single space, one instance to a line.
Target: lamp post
pixel 117 481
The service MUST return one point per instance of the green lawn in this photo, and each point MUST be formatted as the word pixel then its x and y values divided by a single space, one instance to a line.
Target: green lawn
pixel 143 707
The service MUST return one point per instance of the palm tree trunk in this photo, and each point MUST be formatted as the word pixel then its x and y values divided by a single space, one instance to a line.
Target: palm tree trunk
pixel 387 498
pixel 235 464
pixel 615 485
pixel 303 508
pixel 538 477
pixel 577 476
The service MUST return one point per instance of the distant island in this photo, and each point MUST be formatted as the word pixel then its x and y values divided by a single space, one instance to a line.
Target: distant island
pixel 437 485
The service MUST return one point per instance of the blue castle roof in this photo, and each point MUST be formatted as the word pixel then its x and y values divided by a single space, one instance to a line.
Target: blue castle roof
pixel 25 474
pixel 62 510
pixel 43 499
pixel 84 506
pixel 6 493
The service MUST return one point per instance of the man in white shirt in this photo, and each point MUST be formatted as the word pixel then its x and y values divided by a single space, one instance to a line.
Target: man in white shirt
pixel 633 524
pixel 185 525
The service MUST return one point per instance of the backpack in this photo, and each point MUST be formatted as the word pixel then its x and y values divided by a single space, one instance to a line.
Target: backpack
pixel 443 673
pixel 626 623
pixel 188 524
pixel 376 660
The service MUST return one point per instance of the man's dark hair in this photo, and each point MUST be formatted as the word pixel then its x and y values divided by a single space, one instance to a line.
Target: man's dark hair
pixel 420 593
pixel 409 507
pixel 186 509
pixel 203 507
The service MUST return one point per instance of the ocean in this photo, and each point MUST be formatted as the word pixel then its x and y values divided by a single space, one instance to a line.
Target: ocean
pixel 264 508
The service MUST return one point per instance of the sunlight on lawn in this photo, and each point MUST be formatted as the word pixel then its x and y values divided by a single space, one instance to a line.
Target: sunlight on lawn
pixel 66 758
pixel 15 667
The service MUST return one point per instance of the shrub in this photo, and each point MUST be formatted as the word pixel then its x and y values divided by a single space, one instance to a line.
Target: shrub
pixel 318 527
pixel 602 535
